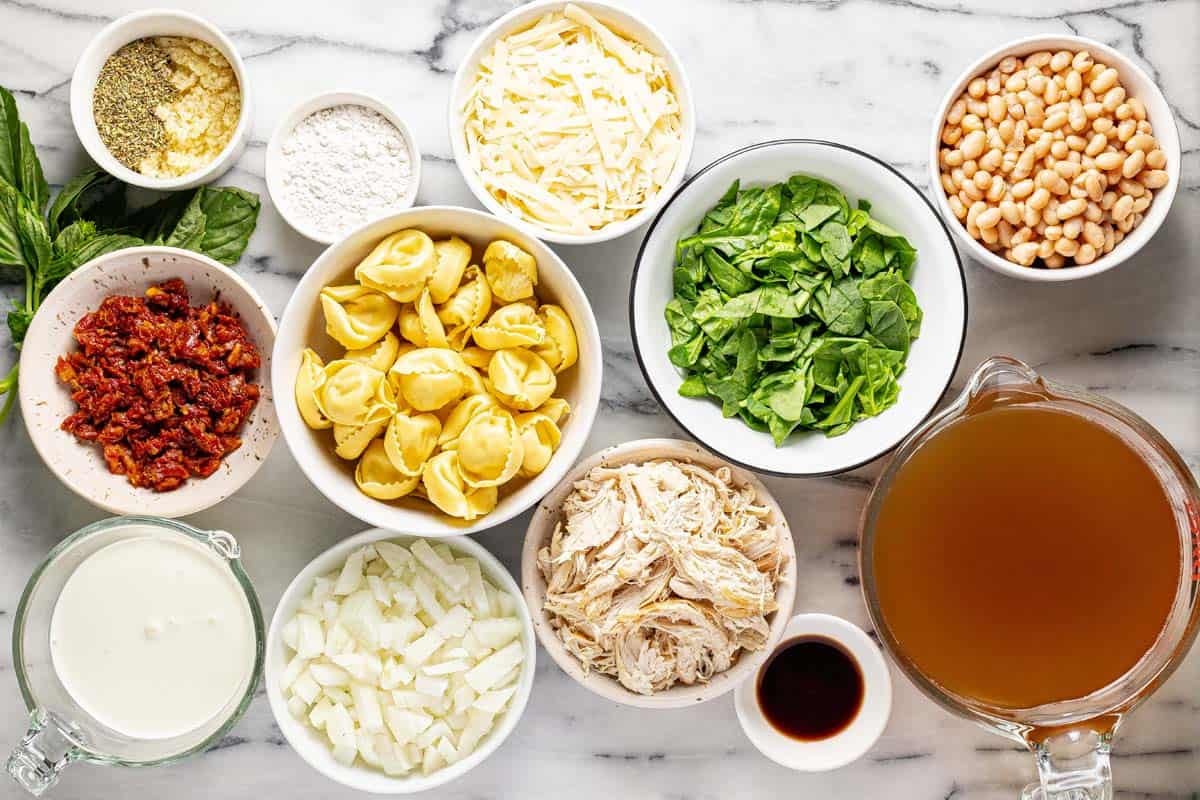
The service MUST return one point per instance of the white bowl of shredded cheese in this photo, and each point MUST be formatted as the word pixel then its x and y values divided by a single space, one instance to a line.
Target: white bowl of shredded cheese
pixel 598 133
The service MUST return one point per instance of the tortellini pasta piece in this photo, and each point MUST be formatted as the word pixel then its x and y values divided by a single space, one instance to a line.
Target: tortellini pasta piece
pixel 560 347
pixel 430 377
pixel 556 408
pixel 540 437
pixel 466 308
pixel 513 325
pixel 354 394
pixel 511 272
pixel 446 488
pixel 477 357
pixel 420 325
pixel 309 381
pixel 377 477
pixel 380 355
pixel 453 256
pixel 490 449
pixel 463 413
pixel 349 441
pixel 399 266
pixel 521 379
pixel 410 441
pixel 357 317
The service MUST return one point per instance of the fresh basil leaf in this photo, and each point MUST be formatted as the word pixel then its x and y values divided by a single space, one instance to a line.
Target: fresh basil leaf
pixel 231 214
pixel 35 241
pixel 95 196
pixel 188 232
pixel 13 265
pixel 73 237
pixel 19 319
pixel 33 182
pixel 10 140
pixel 153 223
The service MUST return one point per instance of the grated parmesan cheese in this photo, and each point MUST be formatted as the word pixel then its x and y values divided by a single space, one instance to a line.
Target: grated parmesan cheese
pixel 571 126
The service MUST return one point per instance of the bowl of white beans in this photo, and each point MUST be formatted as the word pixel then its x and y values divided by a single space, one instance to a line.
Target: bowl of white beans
pixel 1054 158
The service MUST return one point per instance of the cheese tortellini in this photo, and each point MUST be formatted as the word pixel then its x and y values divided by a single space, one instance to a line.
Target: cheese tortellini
pixel 521 379
pixel 399 266
pixel 357 317
pixel 445 389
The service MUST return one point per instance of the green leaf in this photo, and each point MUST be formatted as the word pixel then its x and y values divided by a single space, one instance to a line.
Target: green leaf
pixel 886 322
pixel 693 386
pixel 842 308
pixel 18 322
pixel 231 216
pixel 188 232
pixel 33 182
pixel 731 279
pixel 94 196
pixel 13 265
pixel 10 140
pixel 35 241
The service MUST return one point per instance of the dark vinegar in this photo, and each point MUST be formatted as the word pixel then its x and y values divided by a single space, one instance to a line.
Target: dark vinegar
pixel 810 689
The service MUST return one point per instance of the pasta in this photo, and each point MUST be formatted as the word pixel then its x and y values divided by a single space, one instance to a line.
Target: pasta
pixel 446 489
pixel 351 440
pixel 514 325
pixel 399 266
pixel 355 316
pixel 420 325
pixel 430 377
pixel 380 355
pixel 354 394
pixel 378 478
pixel 410 441
pixel 490 449
pixel 521 379
pixel 466 308
pixel 511 272
pixel 309 381
pixel 445 390
pixel 540 437
pixel 453 256
pixel 560 347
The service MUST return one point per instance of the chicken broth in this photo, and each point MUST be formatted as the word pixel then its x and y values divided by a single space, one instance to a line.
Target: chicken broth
pixel 1025 554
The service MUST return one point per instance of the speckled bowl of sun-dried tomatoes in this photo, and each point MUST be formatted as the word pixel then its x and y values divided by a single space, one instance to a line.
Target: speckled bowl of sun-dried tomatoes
pixel 145 381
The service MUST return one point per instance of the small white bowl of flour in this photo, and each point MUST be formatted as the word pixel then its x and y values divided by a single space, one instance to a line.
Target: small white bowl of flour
pixel 340 160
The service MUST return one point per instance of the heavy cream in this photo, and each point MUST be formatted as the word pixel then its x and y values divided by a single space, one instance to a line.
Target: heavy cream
pixel 153 636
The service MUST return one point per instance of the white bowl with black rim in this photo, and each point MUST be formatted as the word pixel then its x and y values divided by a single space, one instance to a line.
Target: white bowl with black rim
pixel 938 282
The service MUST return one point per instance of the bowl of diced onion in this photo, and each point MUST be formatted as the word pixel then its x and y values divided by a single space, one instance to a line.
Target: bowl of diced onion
pixel 396 664
pixel 575 162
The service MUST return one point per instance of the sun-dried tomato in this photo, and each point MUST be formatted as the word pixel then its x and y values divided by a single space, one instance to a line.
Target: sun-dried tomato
pixel 163 386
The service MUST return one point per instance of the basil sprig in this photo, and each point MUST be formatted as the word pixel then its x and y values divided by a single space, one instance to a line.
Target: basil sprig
pixel 42 242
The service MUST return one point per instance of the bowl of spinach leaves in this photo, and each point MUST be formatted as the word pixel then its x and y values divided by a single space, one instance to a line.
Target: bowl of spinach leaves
pixel 798 307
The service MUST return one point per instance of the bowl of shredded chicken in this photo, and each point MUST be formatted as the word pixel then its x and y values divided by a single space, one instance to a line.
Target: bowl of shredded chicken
pixel 658 575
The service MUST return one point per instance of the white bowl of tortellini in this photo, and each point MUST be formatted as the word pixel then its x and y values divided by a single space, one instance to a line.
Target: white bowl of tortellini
pixel 437 371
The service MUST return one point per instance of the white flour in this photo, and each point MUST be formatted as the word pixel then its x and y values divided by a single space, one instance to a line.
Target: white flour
pixel 343 166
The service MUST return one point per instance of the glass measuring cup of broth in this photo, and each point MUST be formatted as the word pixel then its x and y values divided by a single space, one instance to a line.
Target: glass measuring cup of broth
pixel 137 642
pixel 1031 559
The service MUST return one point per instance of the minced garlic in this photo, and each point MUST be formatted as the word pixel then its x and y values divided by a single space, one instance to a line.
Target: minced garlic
pixel 201 119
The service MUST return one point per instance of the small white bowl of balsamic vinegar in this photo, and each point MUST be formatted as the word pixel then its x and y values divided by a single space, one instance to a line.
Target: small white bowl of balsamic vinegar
pixel 822 697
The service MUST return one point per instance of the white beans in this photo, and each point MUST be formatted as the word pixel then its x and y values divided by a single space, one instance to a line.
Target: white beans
pixel 1048 157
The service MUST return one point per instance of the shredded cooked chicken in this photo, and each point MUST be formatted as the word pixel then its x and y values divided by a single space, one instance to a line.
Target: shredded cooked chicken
pixel 661 572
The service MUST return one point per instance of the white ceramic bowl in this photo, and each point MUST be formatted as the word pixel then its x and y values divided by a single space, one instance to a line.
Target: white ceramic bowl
pixel 114 36
pixel 541 528
pixel 621 20
pixel 313 747
pixel 863 731
pixel 1138 84
pixel 274 167
pixel 303 325
pixel 938 282
pixel 45 402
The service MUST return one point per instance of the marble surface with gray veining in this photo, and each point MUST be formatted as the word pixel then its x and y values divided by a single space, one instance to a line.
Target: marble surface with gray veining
pixel 866 72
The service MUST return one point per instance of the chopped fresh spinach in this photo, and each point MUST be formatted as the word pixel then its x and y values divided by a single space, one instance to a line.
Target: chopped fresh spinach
pixel 40 246
pixel 792 309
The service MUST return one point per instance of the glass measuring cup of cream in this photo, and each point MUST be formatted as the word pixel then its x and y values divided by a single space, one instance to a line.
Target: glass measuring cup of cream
pixel 137 642
pixel 1031 559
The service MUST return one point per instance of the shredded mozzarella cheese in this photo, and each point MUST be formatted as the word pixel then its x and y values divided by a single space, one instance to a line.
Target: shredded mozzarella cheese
pixel 570 126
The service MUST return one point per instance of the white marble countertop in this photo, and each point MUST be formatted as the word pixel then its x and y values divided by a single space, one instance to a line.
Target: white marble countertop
pixel 866 72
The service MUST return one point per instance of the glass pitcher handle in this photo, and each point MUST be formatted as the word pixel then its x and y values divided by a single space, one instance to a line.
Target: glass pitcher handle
pixel 1073 765
pixel 49 745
